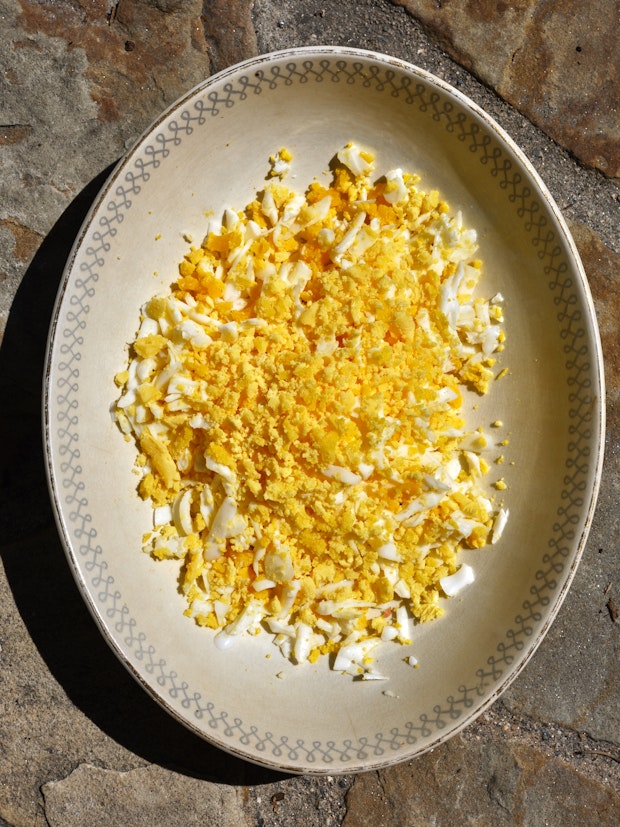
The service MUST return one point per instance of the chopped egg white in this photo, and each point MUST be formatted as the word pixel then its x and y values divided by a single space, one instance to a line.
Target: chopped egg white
pixel 453 583
pixel 297 400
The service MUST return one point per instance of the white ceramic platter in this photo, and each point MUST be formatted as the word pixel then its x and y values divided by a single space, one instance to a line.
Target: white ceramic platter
pixel 209 151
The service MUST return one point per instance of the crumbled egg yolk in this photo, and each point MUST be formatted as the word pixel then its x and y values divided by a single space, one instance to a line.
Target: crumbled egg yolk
pixel 297 402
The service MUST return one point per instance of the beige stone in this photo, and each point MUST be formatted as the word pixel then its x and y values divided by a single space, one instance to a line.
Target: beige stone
pixel 79 81
pixel 557 62
pixel 144 797
pixel 463 783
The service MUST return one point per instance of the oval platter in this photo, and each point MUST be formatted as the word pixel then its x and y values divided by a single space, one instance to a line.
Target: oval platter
pixel 209 151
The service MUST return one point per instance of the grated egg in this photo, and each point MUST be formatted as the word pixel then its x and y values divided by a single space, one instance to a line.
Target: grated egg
pixel 297 405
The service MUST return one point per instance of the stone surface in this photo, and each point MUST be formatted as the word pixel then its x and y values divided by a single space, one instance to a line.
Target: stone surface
pixel 557 62
pixel 136 55
pixel 313 802
pixel 575 677
pixel 229 32
pixel 79 81
pixel 42 729
pixel 465 783
pixel 143 797
pixel 583 194
pixel 602 266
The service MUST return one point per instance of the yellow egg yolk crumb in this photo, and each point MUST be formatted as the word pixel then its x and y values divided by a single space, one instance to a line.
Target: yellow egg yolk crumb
pixel 297 403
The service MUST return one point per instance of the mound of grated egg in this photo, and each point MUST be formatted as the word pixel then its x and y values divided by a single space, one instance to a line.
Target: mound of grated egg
pixel 297 404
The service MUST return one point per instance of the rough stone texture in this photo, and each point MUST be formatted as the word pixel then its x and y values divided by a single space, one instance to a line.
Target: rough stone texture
pixel 313 802
pixel 557 62
pixel 602 266
pixel 138 55
pixel 584 642
pixel 145 796
pixel 465 783
pixel 229 32
pixel 42 728
pixel 584 195
pixel 79 81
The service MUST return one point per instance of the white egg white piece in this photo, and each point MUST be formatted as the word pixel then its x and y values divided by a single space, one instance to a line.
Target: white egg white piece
pixel 454 583
pixel 211 508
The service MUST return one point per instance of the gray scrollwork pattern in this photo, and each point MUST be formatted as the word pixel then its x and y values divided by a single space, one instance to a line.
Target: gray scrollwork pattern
pixel 496 163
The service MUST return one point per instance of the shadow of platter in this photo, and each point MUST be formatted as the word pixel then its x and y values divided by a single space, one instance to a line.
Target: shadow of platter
pixel 40 580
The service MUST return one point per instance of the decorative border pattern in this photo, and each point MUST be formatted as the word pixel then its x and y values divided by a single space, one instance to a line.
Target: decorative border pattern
pixel 582 400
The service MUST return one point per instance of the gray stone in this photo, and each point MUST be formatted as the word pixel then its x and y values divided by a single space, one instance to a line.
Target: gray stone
pixel 557 62
pixel 575 675
pixel 143 797
pixel 42 731
pixel 80 740
pixel 465 783
pixel 78 86
pixel 313 802
pixel 583 195
pixel 66 700
pixel 602 266
pixel 229 32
